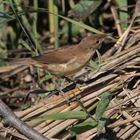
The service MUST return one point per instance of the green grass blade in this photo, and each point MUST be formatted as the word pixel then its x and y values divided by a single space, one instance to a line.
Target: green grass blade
pixel 38 49
pixel 82 127
pixel 102 105
pixel 20 23
pixel 64 115
pixel 123 9
pixel 84 8
pixel 56 28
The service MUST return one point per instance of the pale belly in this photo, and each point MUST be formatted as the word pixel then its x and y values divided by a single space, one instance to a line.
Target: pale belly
pixel 64 69
pixel 69 68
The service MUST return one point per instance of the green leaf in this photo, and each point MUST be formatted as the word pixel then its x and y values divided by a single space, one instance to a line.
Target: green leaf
pixel 2 62
pixel 123 9
pixel 45 78
pixel 82 127
pixel 80 24
pixel 102 105
pixel 93 66
pixel 3 13
pixel 84 8
pixel 99 57
pixel 4 17
pixel 101 125
pixel 84 109
pixel 64 115
pixel 24 44
pixel 50 87
pixel 73 29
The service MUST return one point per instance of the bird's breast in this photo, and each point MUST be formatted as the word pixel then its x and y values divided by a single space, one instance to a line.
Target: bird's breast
pixel 71 67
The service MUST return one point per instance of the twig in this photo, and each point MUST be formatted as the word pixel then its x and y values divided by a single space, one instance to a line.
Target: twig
pixel 116 19
pixel 137 7
pixel 119 123
pixel 22 127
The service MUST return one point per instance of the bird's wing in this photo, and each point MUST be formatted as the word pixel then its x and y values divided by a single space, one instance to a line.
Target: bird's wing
pixel 59 56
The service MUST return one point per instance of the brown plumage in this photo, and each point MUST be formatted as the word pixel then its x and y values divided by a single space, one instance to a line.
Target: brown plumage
pixel 67 60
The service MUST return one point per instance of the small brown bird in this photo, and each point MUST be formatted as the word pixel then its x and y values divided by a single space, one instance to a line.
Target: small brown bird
pixel 69 60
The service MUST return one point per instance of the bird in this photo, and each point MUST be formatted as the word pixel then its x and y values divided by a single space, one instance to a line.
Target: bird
pixel 66 61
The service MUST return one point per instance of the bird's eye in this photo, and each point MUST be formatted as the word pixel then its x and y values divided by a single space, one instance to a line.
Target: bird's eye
pixel 97 41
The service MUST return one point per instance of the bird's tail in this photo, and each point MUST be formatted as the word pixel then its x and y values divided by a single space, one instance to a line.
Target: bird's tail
pixel 13 64
pixel 23 61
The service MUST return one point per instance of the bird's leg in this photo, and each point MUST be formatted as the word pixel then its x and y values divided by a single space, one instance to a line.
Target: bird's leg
pixel 77 83
pixel 74 80
pixel 58 87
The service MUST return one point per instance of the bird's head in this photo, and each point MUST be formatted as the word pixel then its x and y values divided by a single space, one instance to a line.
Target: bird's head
pixel 92 42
